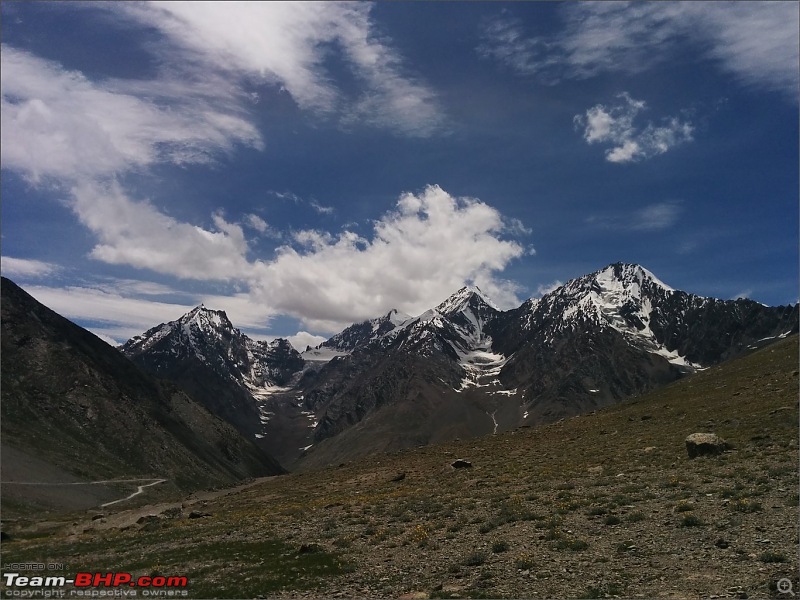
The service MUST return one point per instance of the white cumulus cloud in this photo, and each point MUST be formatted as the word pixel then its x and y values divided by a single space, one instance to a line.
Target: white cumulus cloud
pixel 614 126
pixel 136 233
pixel 417 255
pixel 303 339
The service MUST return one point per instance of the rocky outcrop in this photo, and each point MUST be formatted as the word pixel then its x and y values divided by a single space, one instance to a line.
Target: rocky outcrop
pixel 705 444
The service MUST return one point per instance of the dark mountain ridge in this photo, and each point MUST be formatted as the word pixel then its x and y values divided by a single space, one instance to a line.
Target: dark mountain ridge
pixel 215 363
pixel 71 400
pixel 465 368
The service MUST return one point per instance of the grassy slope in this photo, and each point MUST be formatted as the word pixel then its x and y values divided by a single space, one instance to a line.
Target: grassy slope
pixel 600 505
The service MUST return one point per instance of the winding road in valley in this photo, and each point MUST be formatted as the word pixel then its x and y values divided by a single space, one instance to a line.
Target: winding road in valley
pixel 105 481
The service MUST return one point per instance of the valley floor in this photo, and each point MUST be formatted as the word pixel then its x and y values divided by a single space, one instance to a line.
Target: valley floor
pixel 602 505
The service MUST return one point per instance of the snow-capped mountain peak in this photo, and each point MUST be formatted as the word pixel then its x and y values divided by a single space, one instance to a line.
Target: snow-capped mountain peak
pixel 621 296
pixel 207 336
pixel 616 282
pixel 594 340
pixel 207 319
pixel 467 295
pixel 396 317
pixel 365 333
pixel 627 279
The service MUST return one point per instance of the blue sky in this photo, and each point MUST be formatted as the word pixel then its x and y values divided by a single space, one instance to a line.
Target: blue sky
pixel 304 166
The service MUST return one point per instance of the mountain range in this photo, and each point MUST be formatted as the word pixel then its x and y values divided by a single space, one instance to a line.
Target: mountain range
pixel 75 410
pixel 461 369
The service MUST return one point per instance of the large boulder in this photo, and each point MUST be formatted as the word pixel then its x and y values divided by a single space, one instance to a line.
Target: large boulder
pixel 705 444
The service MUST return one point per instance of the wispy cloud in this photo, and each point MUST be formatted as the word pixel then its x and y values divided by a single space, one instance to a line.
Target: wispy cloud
pixel 118 309
pixel 258 224
pixel 653 217
pixel 136 233
pixel 614 126
pixel 285 195
pixel 757 42
pixel 25 267
pixel 319 208
pixel 504 39
pixel 287 44
pixel 58 124
pixel 297 199
pixel 112 314
pixel 138 287
pixel 517 227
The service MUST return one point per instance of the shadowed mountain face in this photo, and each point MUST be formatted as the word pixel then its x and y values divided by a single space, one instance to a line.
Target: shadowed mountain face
pixel 215 363
pixel 465 368
pixel 75 404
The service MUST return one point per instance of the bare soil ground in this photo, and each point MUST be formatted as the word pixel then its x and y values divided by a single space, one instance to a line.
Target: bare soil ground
pixel 602 505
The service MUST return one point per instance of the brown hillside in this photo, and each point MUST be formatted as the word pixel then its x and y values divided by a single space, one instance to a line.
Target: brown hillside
pixel 602 505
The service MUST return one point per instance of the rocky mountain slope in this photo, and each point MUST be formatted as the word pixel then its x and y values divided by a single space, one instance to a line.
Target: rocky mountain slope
pixel 75 409
pixel 215 363
pixel 463 368
pixel 603 505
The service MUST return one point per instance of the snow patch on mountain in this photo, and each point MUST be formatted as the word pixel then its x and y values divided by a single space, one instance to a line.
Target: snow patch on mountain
pixel 481 368
pixel 263 392
pixel 619 296
pixel 360 335
pixel 458 301
pixel 209 337
pixel 321 354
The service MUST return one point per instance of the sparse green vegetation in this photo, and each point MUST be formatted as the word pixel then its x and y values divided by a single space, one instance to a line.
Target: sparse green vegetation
pixel 692 521
pixel 500 546
pixel 571 544
pixel 773 557
pixel 746 506
pixel 625 547
pixel 635 517
pixel 604 590
pixel 475 559
pixel 510 527
pixel 524 561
